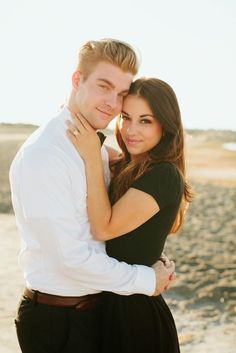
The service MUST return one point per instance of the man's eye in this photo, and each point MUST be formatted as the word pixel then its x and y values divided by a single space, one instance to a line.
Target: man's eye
pixel 104 88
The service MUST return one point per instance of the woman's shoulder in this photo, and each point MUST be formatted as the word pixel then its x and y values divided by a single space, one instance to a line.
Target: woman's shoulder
pixel 164 168
pixel 163 181
pixel 165 174
pixel 161 173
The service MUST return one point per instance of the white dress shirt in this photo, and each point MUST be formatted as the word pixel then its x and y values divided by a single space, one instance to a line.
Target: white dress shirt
pixel 58 253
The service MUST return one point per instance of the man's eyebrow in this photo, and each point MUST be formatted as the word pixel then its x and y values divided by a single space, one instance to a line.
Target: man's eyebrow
pixel 109 83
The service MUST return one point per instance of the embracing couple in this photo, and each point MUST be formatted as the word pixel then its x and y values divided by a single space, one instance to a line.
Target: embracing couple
pixel 93 221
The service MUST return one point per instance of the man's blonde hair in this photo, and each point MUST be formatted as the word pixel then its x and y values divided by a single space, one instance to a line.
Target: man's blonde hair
pixel 109 50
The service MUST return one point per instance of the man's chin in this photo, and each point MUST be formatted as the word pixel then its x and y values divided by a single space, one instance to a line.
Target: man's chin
pixel 100 125
pixel 100 121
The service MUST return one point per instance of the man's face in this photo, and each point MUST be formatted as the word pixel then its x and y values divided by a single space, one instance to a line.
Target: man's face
pixel 99 98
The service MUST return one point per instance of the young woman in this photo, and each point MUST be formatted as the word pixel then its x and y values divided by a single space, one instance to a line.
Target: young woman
pixel 146 202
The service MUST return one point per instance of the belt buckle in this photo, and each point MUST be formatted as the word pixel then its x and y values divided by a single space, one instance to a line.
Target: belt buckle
pixel 86 304
pixel 83 304
pixel 79 306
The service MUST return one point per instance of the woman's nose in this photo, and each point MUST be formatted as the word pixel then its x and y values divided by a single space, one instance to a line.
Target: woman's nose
pixel 131 128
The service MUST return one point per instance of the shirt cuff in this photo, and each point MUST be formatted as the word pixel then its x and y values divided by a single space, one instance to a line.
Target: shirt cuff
pixel 145 281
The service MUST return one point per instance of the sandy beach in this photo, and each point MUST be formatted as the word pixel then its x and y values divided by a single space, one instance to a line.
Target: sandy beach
pixel 203 299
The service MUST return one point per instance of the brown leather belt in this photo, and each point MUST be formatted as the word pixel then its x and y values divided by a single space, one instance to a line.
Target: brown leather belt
pixel 79 303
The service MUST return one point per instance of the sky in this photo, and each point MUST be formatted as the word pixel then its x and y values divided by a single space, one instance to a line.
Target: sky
pixel 188 43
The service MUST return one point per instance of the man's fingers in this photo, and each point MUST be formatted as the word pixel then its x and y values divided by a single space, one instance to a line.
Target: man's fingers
pixel 167 287
pixel 172 276
pixel 165 260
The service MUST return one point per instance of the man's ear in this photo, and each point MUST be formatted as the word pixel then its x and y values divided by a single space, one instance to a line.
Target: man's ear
pixel 76 79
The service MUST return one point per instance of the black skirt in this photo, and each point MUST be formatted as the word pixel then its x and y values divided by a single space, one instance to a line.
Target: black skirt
pixel 137 324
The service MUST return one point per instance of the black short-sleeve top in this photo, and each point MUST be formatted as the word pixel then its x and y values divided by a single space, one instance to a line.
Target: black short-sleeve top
pixel 145 244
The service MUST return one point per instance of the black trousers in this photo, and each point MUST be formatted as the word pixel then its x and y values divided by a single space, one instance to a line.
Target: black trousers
pixel 51 329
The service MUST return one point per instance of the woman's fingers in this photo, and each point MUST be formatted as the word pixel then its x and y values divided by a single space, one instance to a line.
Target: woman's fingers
pixel 80 119
pixel 78 123
pixel 72 128
pixel 85 140
pixel 72 137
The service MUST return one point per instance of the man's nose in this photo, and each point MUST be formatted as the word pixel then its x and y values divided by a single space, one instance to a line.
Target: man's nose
pixel 112 100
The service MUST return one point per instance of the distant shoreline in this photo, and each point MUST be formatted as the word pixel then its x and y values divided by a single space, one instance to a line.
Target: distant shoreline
pixel 189 130
pixel 231 146
pixel 206 158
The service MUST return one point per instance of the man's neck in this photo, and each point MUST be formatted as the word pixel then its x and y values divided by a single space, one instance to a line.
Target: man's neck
pixel 71 106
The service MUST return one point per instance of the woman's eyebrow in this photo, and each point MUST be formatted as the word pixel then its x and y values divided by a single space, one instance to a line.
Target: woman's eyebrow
pixel 146 115
pixel 123 112
pixel 141 116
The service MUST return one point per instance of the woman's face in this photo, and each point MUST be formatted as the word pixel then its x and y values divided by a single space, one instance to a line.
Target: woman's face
pixel 139 129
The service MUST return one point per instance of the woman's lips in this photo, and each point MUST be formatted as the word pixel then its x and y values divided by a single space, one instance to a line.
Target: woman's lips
pixel 132 142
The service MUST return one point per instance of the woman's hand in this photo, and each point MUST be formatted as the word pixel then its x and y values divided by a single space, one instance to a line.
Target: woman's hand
pixel 84 138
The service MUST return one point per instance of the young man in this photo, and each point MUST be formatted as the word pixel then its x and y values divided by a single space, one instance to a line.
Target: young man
pixel 64 267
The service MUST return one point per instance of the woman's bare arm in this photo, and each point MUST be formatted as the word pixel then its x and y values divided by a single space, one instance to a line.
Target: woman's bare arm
pixel 133 209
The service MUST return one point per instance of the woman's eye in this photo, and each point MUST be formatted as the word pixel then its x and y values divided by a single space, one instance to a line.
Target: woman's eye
pixel 145 121
pixel 124 117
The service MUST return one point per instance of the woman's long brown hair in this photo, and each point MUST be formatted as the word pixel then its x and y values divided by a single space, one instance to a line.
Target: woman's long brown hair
pixel 163 102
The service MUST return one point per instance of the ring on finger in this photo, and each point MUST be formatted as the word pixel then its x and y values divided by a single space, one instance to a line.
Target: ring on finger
pixel 76 132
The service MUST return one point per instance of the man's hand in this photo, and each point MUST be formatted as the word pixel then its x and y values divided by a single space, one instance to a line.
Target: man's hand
pixel 165 260
pixel 167 264
pixel 164 275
